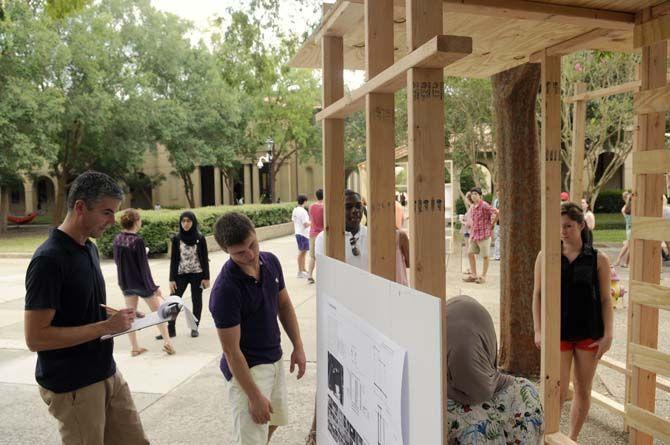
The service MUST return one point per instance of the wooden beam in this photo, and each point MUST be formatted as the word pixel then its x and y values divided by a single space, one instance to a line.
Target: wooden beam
pixel 627 87
pixel 645 262
pixel 650 423
pixel 333 147
pixel 650 359
pixel 649 294
pixel 544 12
pixel 607 403
pixel 662 9
pixel 578 141
pixel 558 439
pixel 438 52
pixel 656 100
pixel 425 140
pixel 661 383
pixel 340 18
pixel 380 134
pixel 571 45
pixel 651 228
pixel 551 245
pixel 653 31
pixel 651 162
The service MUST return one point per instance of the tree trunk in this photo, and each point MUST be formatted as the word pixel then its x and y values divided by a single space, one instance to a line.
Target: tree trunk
pixel 188 189
pixel 4 208
pixel 59 210
pixel 518 165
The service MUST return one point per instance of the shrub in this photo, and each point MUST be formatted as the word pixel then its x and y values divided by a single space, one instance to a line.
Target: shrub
pixel 609 201
pixel 158 226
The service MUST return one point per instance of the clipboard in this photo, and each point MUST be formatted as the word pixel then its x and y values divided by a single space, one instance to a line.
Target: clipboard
pixel 167 311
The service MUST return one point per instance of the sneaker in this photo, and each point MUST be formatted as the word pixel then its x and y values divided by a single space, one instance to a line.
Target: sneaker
pixel 310 280
pixel 302 274
pixel 160 337
pixel 194 333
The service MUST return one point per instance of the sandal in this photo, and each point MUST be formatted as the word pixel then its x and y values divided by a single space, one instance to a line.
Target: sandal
pixel 169 349
pixel 480 280
pixel 136 352
pixel 470 279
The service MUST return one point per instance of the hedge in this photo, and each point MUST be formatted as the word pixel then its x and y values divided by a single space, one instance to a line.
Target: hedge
pixel 159 225
pixel 609 201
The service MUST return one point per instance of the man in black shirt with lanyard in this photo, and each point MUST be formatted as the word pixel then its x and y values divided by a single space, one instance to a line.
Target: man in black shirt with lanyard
pixel 65 318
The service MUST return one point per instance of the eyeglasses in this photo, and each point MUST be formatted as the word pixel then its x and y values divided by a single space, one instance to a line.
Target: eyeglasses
pixel 354 248
pixel 357 206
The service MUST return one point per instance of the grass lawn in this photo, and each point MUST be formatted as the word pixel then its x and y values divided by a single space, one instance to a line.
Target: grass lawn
pixel 608 236
pixel 23 243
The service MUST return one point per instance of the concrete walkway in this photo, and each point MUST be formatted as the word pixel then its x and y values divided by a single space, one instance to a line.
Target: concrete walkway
pixel 182 398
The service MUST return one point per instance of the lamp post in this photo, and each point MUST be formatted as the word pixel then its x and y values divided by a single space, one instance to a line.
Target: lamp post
pixel 270 145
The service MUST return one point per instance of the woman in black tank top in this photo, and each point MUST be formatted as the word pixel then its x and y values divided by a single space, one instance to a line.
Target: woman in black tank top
pixel 586 311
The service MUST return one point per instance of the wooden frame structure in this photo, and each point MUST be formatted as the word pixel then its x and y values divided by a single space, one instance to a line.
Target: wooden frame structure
pixel 401 44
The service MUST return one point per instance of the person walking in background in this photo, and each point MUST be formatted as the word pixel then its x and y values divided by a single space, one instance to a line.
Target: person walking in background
pixel 189 265
pixel 589 217
pixel 626 211
pixel 484 217
pixel 301 224
pixel 496 230
pixel 586 311
pixel 134 275
pixel 65 316
pixel 316 227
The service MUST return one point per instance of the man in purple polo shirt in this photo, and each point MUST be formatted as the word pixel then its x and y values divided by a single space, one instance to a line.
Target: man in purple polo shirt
pixel 248 296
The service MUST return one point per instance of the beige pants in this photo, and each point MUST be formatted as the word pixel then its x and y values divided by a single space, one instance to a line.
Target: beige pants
pixel 99 414
pixel 271 381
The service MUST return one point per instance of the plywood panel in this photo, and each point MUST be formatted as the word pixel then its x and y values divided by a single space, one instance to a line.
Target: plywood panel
pixel 651 228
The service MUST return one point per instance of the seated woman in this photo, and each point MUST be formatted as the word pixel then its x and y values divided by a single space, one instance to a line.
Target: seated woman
pixel 485 406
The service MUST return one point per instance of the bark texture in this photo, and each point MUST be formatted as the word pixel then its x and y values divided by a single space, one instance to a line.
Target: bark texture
pixel 518 165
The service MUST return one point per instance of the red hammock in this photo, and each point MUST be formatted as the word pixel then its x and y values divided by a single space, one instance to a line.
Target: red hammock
pixel 25 219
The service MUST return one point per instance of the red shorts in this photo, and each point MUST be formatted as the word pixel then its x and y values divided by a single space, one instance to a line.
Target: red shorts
pixel 581 344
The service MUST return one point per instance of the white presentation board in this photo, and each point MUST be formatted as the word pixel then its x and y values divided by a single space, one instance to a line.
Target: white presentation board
pixel 401 319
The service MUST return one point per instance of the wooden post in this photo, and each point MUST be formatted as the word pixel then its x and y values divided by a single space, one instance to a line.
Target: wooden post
pixel 425 140
pixel 578 137
pixel 645 255
pixel 379 117
pixel 333 147
pixel 550 159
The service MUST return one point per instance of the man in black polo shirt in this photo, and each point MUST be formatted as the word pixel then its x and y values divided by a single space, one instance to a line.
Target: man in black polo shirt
pixel 246 299
pixel 64 321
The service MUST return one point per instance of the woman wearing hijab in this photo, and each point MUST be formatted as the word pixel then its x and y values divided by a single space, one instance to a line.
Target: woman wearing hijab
pixel 189 265
pixel 485 406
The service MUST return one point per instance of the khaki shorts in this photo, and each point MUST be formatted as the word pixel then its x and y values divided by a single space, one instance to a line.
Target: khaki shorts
pixel 97 414
pixel 271 381
pixel 481 247
pixel 312 247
